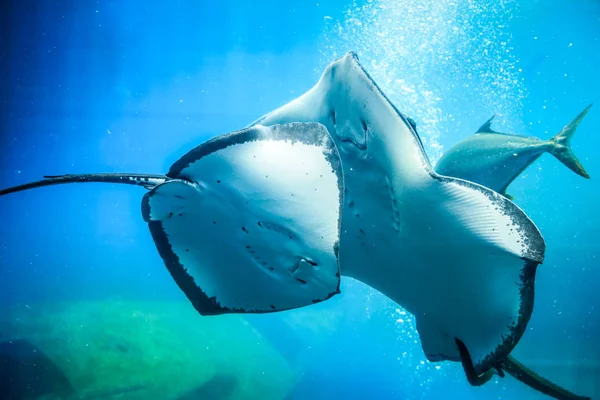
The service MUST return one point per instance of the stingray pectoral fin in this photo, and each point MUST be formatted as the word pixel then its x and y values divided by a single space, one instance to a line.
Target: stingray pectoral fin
pixel 439 346
pixel 486 251
pixel 535 381
pixel 250 222
pixel 473 377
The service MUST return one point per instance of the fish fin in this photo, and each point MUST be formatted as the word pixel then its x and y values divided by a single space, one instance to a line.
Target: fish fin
pixel 508 196
pixel 561 145
pixel 147 181
pixel 437 345
pixel 412 123
pixel 250 221
pixel 487 126
pixel 473 377
pixel 489 291
pixel 537 382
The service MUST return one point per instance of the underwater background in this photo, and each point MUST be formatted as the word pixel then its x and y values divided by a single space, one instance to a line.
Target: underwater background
pixel 130 86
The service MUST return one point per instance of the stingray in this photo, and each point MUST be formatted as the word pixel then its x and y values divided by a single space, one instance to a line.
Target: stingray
pixel 495 159
pixel 337 181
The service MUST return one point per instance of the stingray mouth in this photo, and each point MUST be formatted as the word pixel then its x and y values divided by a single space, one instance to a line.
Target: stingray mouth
pixel 300 263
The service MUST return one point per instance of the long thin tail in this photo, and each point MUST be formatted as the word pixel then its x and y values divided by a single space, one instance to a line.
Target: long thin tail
pixel 561 145
pixel 533 380
pixel 147 181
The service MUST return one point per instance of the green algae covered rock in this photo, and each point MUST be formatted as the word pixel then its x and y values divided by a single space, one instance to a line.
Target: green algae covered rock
pixel 141 350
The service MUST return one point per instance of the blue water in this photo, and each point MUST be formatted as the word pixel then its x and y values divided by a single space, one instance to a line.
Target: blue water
pixel 129 86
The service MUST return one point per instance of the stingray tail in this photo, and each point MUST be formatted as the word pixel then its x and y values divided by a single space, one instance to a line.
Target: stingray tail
pixel 533 380
pixel 560 145
pixel 147 181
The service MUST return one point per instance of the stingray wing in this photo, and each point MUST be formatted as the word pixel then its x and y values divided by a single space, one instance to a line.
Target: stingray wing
pixel 458 256
pixel 250 221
